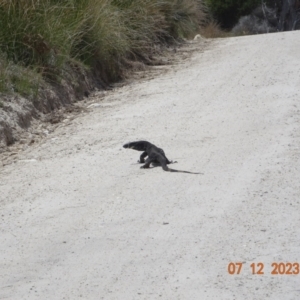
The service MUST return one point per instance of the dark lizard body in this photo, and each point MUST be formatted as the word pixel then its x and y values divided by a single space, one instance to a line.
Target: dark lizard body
pixel 155 155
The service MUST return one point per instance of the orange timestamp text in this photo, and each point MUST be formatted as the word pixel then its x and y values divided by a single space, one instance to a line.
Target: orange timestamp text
pixel 288 268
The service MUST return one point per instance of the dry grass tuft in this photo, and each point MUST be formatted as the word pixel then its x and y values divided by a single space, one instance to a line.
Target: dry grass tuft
pixel 213 30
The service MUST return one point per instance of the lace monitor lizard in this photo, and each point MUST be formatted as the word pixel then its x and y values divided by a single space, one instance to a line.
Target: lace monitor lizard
pixel 155 155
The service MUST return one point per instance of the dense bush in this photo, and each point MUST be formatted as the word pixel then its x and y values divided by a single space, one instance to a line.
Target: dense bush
pixel 228 12
pixel 270 16
pixel 252 25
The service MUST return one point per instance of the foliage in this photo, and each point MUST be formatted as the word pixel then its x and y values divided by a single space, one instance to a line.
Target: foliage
pixel 47 36
pixel 228 12
pixel 213 30
pixel 17 79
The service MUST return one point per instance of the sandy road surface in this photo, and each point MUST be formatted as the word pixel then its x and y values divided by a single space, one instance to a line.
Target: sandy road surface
pixel 80 220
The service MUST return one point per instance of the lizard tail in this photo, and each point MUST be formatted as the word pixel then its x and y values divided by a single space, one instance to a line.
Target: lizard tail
pixel 178 171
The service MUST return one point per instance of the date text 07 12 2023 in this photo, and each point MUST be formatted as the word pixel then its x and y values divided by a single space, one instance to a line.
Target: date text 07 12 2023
pixel 289 268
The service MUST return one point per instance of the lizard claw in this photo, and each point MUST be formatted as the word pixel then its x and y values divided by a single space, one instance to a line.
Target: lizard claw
pixel 144 167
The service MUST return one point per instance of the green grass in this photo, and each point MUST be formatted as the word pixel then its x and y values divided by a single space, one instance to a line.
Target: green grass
pixel 41 39
pixel 17 79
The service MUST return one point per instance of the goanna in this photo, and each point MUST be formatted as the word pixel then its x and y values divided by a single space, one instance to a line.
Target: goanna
pixel 155 156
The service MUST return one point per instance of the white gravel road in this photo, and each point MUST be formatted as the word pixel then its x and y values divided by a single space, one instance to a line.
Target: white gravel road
pixel 81 220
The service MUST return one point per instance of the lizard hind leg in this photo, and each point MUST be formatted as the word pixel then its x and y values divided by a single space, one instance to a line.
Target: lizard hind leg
pixel 147 164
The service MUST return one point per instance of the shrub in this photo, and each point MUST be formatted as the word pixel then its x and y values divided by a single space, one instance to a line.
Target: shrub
pixel 213 30
pixel 228 12
pixel 252 25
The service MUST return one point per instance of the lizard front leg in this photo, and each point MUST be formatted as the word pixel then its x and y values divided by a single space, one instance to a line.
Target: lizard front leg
pixel 142 157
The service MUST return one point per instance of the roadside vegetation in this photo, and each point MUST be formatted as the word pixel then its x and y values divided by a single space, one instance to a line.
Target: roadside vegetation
pixel 243 17
pixel 228 12
pixel 47 40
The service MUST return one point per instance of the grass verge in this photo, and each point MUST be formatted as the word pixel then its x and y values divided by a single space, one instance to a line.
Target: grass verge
pixel 41 40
